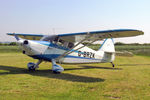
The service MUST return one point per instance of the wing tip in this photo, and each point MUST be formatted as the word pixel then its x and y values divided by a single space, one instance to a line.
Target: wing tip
pixel 10 33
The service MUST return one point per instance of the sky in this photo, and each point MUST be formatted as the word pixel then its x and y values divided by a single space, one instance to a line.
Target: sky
pixel 67 16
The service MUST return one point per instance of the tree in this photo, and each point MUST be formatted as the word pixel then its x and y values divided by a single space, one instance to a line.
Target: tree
pixel 119 43
pixel 13 43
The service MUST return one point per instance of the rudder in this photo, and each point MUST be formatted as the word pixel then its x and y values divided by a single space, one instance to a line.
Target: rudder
pixel 109 50
pixel 107 46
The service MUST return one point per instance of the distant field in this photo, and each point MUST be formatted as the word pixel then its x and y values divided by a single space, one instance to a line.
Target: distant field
pixel 130 80
pixel 135 49
pixel 138 50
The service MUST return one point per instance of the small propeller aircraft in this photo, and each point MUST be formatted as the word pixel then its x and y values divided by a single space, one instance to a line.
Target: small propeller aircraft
pixel 69 48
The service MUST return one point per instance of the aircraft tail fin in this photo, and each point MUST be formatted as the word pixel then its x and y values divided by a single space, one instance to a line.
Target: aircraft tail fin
pixel 109 50
pixel 108 46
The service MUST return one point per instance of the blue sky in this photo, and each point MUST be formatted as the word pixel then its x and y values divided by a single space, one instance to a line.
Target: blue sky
pixel 65 16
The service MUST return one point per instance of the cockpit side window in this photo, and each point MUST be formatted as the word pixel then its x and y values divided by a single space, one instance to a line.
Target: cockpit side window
pixel 56 40
pixel 70 45
pixel 65 43
pixel 50 38
pixel 61 42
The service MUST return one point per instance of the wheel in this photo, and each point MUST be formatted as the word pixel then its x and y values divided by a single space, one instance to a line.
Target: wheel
pixel 31 66
pixel 57 69
pixel 113 65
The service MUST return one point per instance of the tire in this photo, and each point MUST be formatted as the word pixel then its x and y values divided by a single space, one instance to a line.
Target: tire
pixel 31 66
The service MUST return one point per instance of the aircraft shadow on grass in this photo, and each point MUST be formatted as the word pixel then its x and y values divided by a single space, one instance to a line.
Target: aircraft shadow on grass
pixel 50 74
pixel 93 67
pixel 133 64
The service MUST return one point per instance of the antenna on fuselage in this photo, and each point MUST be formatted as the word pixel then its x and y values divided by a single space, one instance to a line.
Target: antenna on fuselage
pixel 53 30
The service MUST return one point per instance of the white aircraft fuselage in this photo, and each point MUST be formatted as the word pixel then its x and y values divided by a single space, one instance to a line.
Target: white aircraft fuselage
pixel 44 50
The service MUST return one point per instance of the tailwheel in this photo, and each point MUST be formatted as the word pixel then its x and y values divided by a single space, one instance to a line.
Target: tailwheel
pixel 113 65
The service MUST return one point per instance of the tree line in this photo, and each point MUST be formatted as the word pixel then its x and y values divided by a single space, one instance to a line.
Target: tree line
pixel 120 43
pixel 117 43
pixel 8 44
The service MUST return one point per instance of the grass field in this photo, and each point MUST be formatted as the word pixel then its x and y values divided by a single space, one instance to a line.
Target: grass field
pixel 130 80
pixel 9 49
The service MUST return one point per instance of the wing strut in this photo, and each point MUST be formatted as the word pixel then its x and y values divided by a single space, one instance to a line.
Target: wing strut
pixel 70 51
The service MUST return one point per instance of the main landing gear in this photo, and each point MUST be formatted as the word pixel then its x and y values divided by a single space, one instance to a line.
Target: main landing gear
pixel 32 66
pixel 55 68
pixel 113 65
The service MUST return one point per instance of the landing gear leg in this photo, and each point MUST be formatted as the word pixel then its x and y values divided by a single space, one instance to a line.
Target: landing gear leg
pixel 57 69
pixel 37 64
pixel 113 65
pixel 33 66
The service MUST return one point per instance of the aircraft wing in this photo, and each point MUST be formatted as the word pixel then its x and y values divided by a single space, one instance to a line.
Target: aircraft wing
pixel 27 36
pixel 99 35
pixel 84 36
pixel 96 35
pixel 87 36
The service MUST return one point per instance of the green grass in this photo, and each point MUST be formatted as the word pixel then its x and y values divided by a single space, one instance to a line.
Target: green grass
pixel 130 80
pixel 9 49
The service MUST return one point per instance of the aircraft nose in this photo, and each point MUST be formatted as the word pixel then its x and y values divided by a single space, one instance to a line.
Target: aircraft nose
pixel 23 43
pixel 25 46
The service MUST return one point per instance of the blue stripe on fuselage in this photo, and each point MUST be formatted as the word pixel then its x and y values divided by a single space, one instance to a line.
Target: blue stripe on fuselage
pixel 48 57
